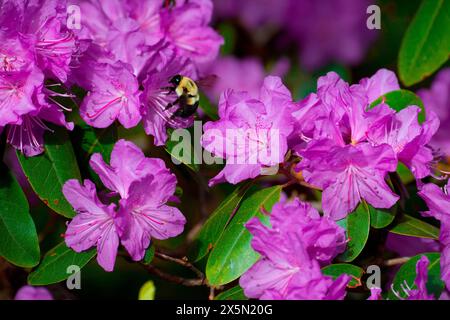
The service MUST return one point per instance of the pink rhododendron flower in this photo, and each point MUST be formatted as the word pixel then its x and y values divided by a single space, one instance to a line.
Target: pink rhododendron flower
pixel 28 136
pixel 94 225
pixel 437 100
pixel 438 202
pixel 33 293
pixel 35 44
pixel 407 138
pixel 128 29
pixel 114 95
pixel 43 25
pixel 186 28
pixel 323 239
pixel 16 94
pixel 420 292
pixel 375 294
pixel 137 44
pixel 144 186
pixel 145 215
pixel 252 131
pixel 128 164
pixel 336 154
pixel 349 174
pixel 288 268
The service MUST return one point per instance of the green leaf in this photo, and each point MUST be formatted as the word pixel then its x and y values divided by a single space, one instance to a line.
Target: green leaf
pixel 235 293
pixel 407 273
pixel 401 99
pixel 147 291
pixel 405 174
pixel 216 223
pixel 381 218
pixel 208 108
pixel 149 255
pixel 335 270
pixel 182 148
pixel 53 267
pixel 48 172
pixel 409 226
pixel 228 32
pixel 357 226
pixel 18 237
pixel 233 254
pixel 426 44
pixel 95 140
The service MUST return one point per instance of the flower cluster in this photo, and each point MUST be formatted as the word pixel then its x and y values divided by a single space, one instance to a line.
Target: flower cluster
pixel 252 131
pixel 437 99
pixel 140 44
pixel 144 186
pixel 36 46
pixel 124 53
pixel 438 201
pixel 298 243
pixel 349 145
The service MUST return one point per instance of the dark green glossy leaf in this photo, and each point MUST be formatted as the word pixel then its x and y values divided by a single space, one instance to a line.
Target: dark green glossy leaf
pixel 401 99
pixel 228 32
pixel 209 109
pixel 18 238
pixel 182 148
pixel 426 44
pixel 233 254
pixel 409 226
pixel 407 273
pixel 48 172
pixel 235 293
pixel 381 218
pixel 405 174
pixel 149 255
pixel 54 266
pixel 95 140
pixel 215 225
pixel 335 270
pixel 357 226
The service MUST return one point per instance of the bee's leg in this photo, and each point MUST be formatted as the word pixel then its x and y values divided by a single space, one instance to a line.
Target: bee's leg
pixel 171 104
pixel 169 89
pixel 178 113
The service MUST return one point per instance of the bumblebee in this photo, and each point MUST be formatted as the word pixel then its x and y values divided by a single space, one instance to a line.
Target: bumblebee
pixel 188 96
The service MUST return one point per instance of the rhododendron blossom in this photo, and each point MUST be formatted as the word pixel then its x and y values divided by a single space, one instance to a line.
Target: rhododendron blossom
pixel 437 100
pixel 33 293
pixel 251 133
pixel 437 200
pixel 144 186
pixel 292 250
pixel 347 147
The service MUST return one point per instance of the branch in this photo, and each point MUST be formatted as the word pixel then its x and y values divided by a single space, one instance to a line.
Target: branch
pixel 175 279
pixel 395 261
pixel 182 262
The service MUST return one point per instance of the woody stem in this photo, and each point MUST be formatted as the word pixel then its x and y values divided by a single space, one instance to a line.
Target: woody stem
pixel 173 278
pixel 182 262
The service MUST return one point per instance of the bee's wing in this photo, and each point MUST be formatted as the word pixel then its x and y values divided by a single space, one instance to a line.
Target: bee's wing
pixel 207 82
